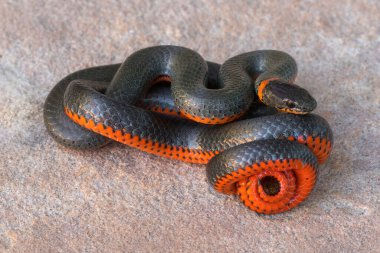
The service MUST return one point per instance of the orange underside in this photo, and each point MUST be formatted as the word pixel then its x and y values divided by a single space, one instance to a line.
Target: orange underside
pixel 297 180
pixel 320 147
pixel 161 79
pixel 165 111
pixel 185 115
pixel 291 111
pixel 211 121
pixel 160 149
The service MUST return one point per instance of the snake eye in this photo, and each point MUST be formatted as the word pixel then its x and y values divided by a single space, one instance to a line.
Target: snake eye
pixel 290 104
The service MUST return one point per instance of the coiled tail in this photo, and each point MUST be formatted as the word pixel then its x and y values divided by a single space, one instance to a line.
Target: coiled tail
pixel 269 176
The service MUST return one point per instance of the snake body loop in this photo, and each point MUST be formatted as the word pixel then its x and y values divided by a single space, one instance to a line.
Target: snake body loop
pixel 269 161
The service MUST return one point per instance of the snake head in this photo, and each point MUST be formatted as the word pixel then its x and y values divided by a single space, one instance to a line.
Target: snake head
pixel 287 97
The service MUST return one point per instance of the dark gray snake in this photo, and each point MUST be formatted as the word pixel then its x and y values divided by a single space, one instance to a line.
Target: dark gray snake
pixel 269 161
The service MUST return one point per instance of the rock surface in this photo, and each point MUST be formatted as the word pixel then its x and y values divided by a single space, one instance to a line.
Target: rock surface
pixel 53 199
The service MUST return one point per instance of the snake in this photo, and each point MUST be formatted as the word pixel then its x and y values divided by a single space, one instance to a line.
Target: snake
pixel 169 101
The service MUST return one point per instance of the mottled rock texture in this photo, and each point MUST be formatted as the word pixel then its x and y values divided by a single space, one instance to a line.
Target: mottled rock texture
pixel 53 199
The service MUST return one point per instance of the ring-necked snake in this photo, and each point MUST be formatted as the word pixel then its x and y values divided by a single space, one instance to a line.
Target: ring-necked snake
pixel 269 161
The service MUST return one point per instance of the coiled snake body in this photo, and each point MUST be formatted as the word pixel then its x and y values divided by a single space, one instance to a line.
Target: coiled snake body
pixel 269 161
